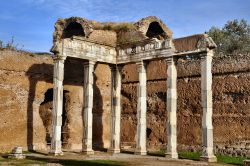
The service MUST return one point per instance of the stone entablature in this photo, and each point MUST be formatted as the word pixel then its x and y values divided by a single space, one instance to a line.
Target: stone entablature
pixel 78 47
pixel 155 49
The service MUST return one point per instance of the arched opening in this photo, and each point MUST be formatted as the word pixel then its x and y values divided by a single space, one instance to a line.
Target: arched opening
pixel 155 31
pixel 45 112
pixel 73 29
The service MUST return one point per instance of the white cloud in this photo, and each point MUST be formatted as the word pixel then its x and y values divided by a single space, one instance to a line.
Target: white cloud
pixel 102 10
pixel 60 7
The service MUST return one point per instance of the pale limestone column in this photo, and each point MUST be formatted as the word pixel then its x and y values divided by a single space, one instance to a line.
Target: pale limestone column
pixel 116 109
pixel 56 142
pixel 88 106
pixel 207 105
pixel 171 109
pixel 141 137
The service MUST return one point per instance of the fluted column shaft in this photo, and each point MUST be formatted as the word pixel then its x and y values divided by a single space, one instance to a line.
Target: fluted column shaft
pixel 207 106
pixel 88 107
pixel 115 109
pixel 58 76
pixel 141 137
pixel 171 109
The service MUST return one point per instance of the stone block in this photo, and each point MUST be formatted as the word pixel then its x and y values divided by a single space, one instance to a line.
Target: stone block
pixel 172 155
pixel 211 159
pixel 88 152
pixel 246 162
pixel 140 152
pixel 17 153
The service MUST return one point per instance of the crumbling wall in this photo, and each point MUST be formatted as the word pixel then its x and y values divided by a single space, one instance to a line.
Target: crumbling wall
pixel 25 113
pixel 230 102
pixel 25 78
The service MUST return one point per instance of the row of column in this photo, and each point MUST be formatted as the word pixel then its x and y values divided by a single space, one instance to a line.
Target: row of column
pixel 206 88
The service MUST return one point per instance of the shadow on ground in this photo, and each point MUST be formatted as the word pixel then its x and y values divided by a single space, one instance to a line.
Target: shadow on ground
pixel 76 162
pixel 30 159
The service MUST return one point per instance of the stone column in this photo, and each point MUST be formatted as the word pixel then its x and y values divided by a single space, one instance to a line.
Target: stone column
pixel 141 138
pixel 116 109
pixel 207 106
pixel 171 109
pixel 56 142
pixel 88 106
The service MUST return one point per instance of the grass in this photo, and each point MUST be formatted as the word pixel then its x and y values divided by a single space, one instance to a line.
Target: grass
pixel 230 160
pixel 220 158
pixel 117 27
pixel 190 155
pixel 19 162
pixel 1 159
pixel 65 162
pixel 196 156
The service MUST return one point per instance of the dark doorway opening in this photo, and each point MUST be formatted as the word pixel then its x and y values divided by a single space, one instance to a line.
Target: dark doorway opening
pixel 155 31
pixel 45 112
pixel 73 29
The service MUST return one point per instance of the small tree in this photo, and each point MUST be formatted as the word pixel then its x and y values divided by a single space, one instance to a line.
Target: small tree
pixel 233 38
pixel 1 44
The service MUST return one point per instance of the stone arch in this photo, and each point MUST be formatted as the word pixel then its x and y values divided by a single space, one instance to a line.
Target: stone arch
pixel 152 26
pixel 155 31
pixel 62 24
pixel 73 29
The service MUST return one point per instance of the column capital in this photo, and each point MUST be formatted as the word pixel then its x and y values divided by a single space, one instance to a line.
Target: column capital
pixel 209 53
pixel 141 63
pixel 141 66
pixel 114 67
pixel 88 63
pixel 59 58
pixel 171 60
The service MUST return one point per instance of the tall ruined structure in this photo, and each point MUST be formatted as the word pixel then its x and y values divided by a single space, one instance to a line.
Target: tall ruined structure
pixel 113 85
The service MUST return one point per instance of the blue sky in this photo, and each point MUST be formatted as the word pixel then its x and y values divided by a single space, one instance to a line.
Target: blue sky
pixel 31 22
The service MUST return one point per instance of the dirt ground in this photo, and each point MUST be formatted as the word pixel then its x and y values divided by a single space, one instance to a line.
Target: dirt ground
pixel 71 158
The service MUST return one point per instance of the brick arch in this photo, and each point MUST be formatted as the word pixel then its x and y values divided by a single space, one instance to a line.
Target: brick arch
pixel 62 24
pixel 73 29
pixel 145 24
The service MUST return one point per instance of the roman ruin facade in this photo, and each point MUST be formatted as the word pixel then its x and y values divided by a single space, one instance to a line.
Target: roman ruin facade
pixel 139 43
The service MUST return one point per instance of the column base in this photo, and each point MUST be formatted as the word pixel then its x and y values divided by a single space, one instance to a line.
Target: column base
pixel 140 152
pixel 246 162
pixel 88 152
pixel 16 156
pixel 114 151
pixel 171 155
pixel 211 158
pixel 55 153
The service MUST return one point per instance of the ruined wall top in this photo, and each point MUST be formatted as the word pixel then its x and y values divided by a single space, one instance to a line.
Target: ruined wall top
pixel 110 33
pixel 143 26
pixel 123 42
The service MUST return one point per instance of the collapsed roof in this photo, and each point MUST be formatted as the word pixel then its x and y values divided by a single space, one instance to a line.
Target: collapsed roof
pixel 125 33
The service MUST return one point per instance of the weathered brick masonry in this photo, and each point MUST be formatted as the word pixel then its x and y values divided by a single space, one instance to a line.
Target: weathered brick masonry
pixel 25 107
pixel 230 102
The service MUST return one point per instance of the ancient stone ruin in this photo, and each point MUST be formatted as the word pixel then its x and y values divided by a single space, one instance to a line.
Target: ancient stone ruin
pixel 115 86
pixel 149 39
pixel 17 153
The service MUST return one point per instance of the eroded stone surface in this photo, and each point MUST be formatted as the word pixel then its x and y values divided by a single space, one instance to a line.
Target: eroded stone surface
pixel 230 94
